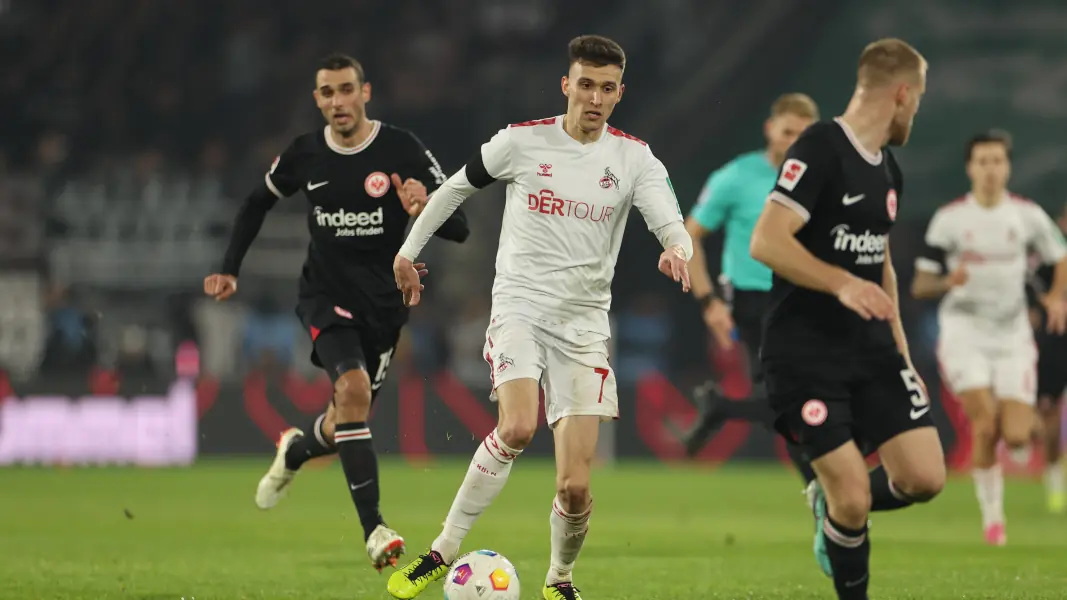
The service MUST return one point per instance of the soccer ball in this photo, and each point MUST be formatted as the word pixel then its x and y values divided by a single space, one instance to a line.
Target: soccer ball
pixel 482 575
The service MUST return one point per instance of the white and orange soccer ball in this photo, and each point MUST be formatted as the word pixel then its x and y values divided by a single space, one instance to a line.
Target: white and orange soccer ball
pixel 482 575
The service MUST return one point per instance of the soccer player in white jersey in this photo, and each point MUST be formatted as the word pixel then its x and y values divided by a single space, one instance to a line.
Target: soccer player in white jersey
pixel 976 256
pixel 571 181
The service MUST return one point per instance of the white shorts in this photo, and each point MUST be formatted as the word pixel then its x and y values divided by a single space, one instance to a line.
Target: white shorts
pixel 1010 370
pixel 574 372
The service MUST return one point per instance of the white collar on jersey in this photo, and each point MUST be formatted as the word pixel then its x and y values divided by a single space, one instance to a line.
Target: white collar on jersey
pixel 375 127
pixel 874 159
pixel 563 132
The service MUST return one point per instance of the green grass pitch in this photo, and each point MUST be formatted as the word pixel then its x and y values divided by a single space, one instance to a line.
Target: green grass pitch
pixel 657 532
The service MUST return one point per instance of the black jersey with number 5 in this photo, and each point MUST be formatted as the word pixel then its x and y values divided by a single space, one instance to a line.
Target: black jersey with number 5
pixel 355 216
pixel 848 199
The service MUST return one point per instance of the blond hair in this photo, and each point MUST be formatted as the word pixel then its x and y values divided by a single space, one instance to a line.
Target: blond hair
pixel 887 60
pixel 797 104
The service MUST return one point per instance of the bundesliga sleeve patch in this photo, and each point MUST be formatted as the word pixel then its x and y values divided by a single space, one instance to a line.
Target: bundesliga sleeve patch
pixel 792 171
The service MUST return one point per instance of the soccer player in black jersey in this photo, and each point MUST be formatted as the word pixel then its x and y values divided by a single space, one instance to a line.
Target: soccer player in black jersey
pixel 363 180
pixel 1051 382
pixel 835 357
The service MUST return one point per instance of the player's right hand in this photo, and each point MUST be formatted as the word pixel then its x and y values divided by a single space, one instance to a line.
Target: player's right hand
pixel 866 299
pixel 220 286
pixel 958 277
pixel 1056 311
pixel 409 279
pixel 720 323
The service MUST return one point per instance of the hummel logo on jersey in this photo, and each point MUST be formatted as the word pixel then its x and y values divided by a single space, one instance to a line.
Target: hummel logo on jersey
pixel 315 186
pixel 850 200
pixel 869 247
pixel 352 224
pixel 546 170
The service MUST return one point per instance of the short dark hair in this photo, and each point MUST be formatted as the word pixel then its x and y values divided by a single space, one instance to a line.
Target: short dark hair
pixel 338 61
pixel 597 51
pixel 993 136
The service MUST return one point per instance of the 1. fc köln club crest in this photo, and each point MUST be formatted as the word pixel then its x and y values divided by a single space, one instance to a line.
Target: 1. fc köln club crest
pixel 891 204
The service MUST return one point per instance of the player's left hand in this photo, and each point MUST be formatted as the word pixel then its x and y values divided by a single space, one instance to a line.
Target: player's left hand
pixel 1056 310
pixel 409 279
pixel 412 194
pixel 672 263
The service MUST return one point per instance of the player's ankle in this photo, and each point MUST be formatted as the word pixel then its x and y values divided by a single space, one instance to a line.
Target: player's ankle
pixel 558 574
pixel 446 547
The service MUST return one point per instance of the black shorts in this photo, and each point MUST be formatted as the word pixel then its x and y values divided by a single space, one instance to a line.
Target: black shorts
pixel 747 309
pixel 343 342
pixel 1051 365
pixel 821 405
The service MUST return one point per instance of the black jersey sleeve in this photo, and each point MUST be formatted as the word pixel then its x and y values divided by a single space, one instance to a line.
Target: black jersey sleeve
pixel 284 179
pixel 246 226
pixel 808 166
pixel 425 168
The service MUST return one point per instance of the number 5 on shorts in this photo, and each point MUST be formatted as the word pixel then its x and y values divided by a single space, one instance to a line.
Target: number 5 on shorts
pixel 918 394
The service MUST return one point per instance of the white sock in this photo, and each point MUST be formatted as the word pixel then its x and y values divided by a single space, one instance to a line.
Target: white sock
pixel 1054 478
pixel 486 476
pixel 989 487
pixel 1021 455
pixel 568 535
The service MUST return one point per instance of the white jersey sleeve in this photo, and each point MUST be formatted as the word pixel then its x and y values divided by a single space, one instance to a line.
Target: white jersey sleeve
pixel 655 199
pixel 938 243
pixel 1043 234
pixel 497 157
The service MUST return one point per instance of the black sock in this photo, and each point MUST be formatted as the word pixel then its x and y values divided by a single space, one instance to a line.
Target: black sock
pixel 849 551
pixel 355 447
pixel 883 495
pixel 800 461
pixel 308 446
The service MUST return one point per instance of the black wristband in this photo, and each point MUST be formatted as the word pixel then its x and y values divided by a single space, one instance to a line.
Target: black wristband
pixel 706 300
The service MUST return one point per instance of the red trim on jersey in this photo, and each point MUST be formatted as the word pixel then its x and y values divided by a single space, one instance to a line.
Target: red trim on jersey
pixel 623 134
pixel 953 204
pixel 315 331
pixel 1018 198
pixel 548 121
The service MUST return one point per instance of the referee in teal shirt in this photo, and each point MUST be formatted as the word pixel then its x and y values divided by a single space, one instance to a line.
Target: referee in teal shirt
pixel 732 199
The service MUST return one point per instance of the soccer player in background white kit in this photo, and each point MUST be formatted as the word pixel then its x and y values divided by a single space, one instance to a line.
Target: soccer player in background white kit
pixel 571 181
pixel 976 256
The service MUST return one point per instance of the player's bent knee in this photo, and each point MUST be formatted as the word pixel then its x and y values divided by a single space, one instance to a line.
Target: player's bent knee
pixel 517 432
pixel 352 390
pixel 1016 438
pixel 850 506
pixel 924 485
pixel 573 494
pixel 984 430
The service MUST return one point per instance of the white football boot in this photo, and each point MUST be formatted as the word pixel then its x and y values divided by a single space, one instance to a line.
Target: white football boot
pixel 274 485
pixel 384 547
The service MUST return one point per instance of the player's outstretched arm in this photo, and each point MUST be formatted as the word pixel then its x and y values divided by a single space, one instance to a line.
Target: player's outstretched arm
pixel 712 305
pixel 246 226
pixel 455 228
pixel 654 198
pixel 774 244
pixel 1047 238
pixel 932 278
